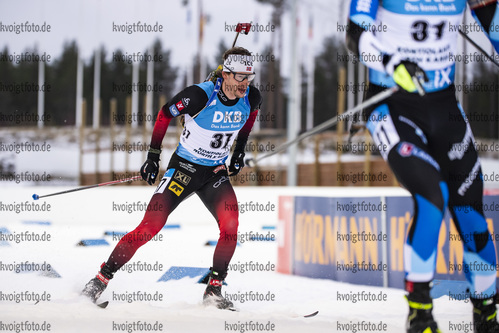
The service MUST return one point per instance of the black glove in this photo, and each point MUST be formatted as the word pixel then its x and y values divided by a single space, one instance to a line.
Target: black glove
pixel 150 168
pixel 236 163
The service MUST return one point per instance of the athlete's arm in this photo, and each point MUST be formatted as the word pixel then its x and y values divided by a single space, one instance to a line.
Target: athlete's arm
pixel 255 99
pixel 360 39
pixel 486 12
pixel 237 159
pixel 189 101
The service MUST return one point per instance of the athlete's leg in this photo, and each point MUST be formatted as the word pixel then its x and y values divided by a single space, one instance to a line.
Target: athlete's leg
pixel 162 203
pixel 409 159
pixel 169 193
pixel 466 207
pixel 219 197
pixel 177 184
pixel 407 153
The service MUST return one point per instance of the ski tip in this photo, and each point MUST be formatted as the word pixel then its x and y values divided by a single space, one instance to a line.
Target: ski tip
pixel 35 196
pixel 311 315
pixel 103 305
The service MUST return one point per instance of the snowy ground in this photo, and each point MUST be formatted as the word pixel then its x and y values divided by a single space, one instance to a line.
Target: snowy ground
pixel 87 214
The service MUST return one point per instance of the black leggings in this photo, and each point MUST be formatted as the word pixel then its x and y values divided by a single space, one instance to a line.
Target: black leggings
pixel 431 150
pixel 182 179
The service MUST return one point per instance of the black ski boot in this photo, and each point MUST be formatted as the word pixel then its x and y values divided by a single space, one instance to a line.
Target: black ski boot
pixel 420 319
pixel 213 293
pixel 484 315
pixel 96 286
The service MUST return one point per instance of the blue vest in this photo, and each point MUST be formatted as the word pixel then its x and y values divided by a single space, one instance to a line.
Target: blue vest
pixel 208 136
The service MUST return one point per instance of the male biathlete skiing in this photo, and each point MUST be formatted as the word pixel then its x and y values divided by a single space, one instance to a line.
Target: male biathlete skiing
pixel 430 146
pixel 216 112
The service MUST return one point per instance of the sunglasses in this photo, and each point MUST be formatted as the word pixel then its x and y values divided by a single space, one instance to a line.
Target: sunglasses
pixel 241 77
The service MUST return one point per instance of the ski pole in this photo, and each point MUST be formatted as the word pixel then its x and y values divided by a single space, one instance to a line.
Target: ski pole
pixel 36 196
pixel 331 122
pixel 478 47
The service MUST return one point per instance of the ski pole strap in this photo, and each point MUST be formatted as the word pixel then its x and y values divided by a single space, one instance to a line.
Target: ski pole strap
pixel 218 85
pixel 155 151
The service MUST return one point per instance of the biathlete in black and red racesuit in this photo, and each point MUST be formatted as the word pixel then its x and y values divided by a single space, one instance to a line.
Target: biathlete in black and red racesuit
pixel 216 113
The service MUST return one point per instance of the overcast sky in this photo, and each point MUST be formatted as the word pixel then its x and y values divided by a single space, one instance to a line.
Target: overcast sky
pixel 90 22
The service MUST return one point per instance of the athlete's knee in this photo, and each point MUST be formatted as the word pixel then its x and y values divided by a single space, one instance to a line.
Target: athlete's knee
pixel 229 225
pixel 473 228
pixel 228 229
pixel 228 219
pixel 155 218
pixel 439 198
pixel 432 198
pixel 146 230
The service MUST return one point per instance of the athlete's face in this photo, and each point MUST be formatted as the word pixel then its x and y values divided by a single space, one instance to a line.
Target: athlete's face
pixel 236 84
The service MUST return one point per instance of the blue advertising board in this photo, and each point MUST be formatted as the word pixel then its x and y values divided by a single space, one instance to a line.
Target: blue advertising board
pixel 361 240
pixel 339 239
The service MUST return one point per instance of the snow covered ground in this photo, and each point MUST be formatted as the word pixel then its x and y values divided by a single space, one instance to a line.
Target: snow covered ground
pixel 175 306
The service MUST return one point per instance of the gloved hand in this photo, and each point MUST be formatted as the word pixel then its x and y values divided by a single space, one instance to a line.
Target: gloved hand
pixel 406 74
pixel 150 169
pixel 236 163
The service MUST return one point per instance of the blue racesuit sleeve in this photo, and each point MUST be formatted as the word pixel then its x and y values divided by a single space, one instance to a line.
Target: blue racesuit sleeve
pixel 487 15
pixel 362 15
pixel 361 31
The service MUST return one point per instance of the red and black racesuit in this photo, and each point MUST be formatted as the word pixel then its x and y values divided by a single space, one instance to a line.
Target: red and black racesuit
pixel 184 177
